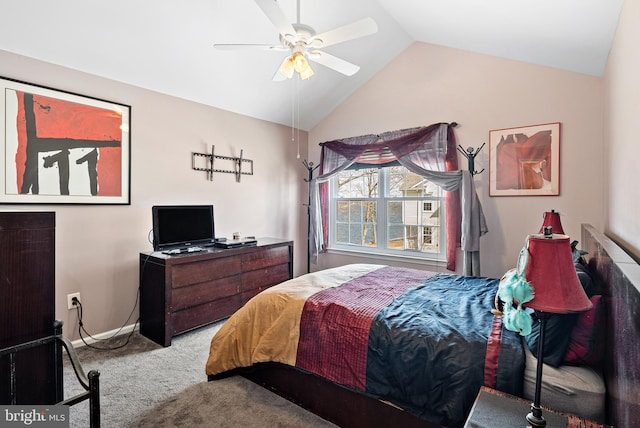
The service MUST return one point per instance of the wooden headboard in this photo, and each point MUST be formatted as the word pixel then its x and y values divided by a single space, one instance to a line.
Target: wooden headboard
pixel 619 279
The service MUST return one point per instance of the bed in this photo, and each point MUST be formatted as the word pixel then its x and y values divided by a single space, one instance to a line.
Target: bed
pixel 417 353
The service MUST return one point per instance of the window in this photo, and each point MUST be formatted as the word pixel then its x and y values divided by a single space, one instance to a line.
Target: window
pixel 387 210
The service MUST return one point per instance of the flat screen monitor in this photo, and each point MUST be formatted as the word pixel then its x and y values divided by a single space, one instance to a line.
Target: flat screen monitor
pixel 182 226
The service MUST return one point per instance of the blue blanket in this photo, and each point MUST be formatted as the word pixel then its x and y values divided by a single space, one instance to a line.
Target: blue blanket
pixel 428 347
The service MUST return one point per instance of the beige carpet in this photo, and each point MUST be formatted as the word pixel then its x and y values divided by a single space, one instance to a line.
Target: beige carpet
pixel 232 402
pixel 146 385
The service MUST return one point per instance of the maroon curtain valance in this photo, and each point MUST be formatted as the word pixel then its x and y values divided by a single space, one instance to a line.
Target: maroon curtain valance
pixel 384 148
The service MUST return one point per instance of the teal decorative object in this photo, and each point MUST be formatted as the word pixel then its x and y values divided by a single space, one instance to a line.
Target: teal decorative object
pixel 514 291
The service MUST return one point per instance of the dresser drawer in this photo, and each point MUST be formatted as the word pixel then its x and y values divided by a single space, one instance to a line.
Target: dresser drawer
pixel 263 278
pixel 197 294
pixel 205 270
pixel 265 258
pixel 200 315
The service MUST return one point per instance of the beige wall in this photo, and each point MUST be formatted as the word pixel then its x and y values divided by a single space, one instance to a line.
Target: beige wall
pixel 97 247
pixel 622 132
pixel 428 84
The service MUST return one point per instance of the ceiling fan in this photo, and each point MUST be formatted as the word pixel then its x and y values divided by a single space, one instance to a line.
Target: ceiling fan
pixel 304 44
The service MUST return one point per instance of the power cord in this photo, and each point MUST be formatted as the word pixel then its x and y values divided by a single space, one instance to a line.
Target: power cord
pixel 81 328
pixel 78 306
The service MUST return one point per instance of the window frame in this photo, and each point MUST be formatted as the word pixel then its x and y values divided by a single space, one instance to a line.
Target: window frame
pixel 382 224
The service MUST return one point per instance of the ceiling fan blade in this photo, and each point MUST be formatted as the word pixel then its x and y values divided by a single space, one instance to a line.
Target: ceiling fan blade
pixel 253 47
pixel 277 17
pixel 334 63
pixel 361 28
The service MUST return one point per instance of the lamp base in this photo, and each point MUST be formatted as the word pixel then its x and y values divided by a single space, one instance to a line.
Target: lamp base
pixel 535 418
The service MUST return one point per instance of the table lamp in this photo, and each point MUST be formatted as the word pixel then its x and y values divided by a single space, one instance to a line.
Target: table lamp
pixel 552 219
pixel 557 290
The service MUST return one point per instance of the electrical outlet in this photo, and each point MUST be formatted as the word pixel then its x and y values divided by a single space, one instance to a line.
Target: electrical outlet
pixel 70 297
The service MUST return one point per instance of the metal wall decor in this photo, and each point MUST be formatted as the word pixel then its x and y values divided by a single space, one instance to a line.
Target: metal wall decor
pixel 209 162
pixel 471 154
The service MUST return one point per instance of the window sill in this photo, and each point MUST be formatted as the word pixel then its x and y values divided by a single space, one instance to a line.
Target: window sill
pixel 437 264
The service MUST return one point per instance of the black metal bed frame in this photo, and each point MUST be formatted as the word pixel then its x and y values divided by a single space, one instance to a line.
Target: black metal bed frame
pixel 90 382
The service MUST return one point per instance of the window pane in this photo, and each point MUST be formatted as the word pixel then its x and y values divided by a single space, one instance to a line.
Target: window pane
pixel 395 212
pixel 396 237
pixel 431 239
pixel 370 214
pixel 357 222
pixel 369 235
pixel 412 238
pixel 413 225
pixel 355 234
pixel 406 184
pixel 342 213
pixel 342 233
pixel 361 183
pixel 397 181
pixel 362 234
pixel 427 237
pixel 355 212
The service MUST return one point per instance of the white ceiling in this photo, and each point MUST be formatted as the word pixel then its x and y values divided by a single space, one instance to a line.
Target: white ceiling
pixel 167 45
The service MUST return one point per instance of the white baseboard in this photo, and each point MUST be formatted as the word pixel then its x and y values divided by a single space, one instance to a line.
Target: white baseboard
pixel 106 335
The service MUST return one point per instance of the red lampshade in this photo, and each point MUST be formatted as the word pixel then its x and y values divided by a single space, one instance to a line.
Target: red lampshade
pixel 551 273
pixel 552 218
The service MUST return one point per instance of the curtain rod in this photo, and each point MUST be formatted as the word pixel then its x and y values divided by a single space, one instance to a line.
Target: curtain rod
pixel 452 124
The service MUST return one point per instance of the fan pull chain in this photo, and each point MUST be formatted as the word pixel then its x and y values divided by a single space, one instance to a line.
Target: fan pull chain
pixel 295 111
pixel 298 114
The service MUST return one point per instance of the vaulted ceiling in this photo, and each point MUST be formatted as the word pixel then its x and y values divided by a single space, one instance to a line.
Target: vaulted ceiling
pixel 167 45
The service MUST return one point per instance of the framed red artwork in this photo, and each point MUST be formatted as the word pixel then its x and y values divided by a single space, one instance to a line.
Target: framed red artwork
pixel 62 148
pixel 525 161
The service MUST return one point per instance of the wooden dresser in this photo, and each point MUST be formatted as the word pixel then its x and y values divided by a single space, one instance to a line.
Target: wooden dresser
pixel 185 291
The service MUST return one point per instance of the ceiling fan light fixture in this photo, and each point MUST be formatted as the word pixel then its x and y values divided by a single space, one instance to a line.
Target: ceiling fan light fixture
pixel 308 72
pixel 300 63
pixel 286 68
